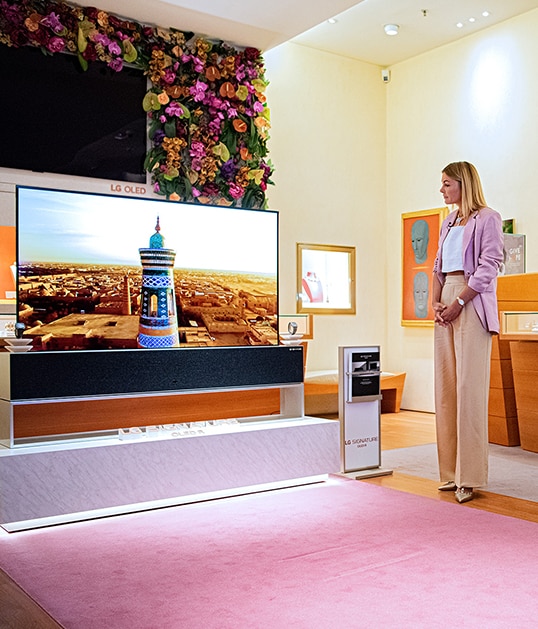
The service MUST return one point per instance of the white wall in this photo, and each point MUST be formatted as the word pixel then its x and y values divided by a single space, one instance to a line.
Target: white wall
pixel 353 154
pixel 328 146
pixel 474 100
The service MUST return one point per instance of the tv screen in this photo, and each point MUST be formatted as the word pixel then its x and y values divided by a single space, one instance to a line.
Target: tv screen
pixel 90 124
pixel 108 272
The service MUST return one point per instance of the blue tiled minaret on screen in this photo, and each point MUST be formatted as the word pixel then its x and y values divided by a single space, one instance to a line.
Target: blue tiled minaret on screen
pixel 158 318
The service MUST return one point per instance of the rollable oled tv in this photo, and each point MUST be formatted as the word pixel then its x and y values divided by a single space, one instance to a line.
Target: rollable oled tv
pixel 101 272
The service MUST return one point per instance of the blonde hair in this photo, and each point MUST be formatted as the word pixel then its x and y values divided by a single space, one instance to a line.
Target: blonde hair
pixel 472 195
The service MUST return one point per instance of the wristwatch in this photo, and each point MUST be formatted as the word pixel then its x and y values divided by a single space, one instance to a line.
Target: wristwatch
pixel 460 301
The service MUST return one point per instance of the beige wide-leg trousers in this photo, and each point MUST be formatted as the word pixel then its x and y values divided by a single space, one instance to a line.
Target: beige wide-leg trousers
pixel 462 370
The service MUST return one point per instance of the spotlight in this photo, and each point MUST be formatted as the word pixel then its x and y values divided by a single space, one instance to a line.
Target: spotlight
pixel 391 29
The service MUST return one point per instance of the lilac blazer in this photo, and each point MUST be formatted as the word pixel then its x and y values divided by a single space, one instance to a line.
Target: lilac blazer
pixel 483 245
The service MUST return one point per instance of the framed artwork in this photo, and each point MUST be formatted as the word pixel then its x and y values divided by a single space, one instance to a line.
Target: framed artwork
pixel 420 237
pixel 7 270
pixel 514 253
pixel 509 226
pixel 325 279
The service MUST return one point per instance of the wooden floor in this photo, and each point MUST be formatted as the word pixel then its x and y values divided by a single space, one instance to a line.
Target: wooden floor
pixel 398 430
pixel 408 428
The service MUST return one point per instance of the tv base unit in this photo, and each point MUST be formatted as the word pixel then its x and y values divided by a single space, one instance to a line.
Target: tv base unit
pixel 83 476
pixel 51 484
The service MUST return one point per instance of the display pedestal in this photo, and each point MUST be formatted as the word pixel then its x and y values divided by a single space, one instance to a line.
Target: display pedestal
pixel 359 410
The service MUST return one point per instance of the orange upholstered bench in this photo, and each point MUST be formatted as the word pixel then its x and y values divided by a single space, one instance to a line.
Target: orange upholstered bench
pixel 321 392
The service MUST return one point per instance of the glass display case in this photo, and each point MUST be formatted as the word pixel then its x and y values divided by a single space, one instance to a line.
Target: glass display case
pixel 519 326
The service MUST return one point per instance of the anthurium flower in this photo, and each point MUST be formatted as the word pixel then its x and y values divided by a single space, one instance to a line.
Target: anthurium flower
pixel 151 102
pixel 239 125
pixel 227 90
pixel 174 196
pixel 242 92
pixel 256 175
pixel 212 73
pixel 259 85
pixel 221 150
pixel 129 51
pixel 245 154
pixel 261 123
pixel 174 91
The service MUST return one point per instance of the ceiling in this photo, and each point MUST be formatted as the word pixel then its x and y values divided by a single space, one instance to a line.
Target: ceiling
pixel 357 33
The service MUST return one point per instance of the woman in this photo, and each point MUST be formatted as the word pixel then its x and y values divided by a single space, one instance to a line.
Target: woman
pixel 464 302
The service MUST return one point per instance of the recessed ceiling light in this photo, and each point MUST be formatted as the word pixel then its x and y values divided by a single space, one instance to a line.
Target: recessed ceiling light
pixel 332 20
pixel 459 24
pixel 485 13
pixel 472 19
pixel 391 29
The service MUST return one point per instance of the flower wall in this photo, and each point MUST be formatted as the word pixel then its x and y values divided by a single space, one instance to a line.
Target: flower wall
pixel 208 116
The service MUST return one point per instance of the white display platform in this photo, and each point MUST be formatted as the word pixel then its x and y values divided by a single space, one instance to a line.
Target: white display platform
pixel 66 482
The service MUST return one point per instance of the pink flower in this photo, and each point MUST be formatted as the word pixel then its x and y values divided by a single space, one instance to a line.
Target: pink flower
pixel 116 64
pixel 197 149
pixel 114 49
pixel 169 76
pixel 53 22
pixel 174 109
pixel 198 91
pixel 99 38
pixel 236 191
pixel 56 44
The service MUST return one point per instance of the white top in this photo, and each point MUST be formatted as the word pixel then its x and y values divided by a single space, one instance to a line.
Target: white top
pixel 453 250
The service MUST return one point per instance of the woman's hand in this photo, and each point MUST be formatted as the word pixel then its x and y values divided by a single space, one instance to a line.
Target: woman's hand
pixel 438 310
pixel 446 314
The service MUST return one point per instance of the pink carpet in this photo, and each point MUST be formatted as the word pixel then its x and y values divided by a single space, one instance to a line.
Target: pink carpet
pixel 341 554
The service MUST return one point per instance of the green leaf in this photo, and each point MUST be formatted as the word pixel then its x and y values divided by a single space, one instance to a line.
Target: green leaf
pixel 82 61
pixel 82 43
pixel 154 126
pixel 170 128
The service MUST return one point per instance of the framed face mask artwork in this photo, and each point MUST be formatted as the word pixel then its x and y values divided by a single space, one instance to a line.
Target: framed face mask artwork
pixel 420 236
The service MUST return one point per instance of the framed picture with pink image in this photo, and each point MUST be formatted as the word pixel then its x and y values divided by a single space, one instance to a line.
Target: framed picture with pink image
pixel 325 279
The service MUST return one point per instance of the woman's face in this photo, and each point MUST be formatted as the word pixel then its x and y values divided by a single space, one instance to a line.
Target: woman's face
pixel 451 190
